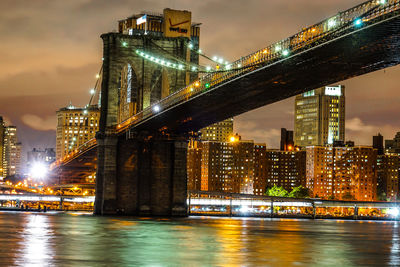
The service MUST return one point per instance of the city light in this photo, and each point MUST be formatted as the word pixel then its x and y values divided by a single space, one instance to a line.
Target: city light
pixel 39 170
pixel 394 212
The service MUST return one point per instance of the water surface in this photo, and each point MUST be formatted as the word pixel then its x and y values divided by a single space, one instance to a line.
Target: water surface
pixel 74 239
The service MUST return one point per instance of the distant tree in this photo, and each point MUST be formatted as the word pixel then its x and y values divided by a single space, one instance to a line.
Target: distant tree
pixel 299 192
pixel 276 191
pixel 382 196
pixel 331 197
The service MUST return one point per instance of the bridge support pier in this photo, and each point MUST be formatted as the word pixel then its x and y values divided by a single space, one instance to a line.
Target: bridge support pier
pixel 142 177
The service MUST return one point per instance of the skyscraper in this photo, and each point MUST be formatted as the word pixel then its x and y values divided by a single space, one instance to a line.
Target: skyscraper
pixel 320 116
pixel 2 132
pixel 393 146
pixel 75 126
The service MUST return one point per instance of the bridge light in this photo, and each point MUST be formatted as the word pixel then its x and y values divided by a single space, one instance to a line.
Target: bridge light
pixel 331 23
pixel 194 68
pixel 358 22
pixel 180 66
pixel 124 44
pixel 228 67
pixel 215 58
pixel 85 112
pixel 207 85
pixel 92 91
pixel 239 65
pixel 285 52
pixel 190 45
pixel 278 48
pixel 208 68
pixel 156 108
pixel 97 76
pixel 382 2
pixel 220 61
pixel 199 51
pixel 197 84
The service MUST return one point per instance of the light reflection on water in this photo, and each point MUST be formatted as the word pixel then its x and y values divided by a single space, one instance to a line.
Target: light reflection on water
pixel 29 239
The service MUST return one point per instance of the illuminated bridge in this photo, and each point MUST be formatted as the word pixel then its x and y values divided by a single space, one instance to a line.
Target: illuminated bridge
pixel 141 145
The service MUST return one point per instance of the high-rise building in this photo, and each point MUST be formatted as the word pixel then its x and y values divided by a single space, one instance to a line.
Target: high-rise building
pixel 242 166
pixel 388 166
pixel 216 164
pixel 393 146
pixel 260 169
pixel 287 142
pixel 377 143
pixel 75 126
pixel 342 172
pixel 11 152
pixel 218 132
pixel 320 116
pixel 285 168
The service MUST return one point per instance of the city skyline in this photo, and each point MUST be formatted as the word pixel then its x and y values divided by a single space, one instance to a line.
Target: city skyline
pixel 33 89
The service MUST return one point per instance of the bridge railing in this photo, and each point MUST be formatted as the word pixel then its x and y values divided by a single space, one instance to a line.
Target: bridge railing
pixel 349 20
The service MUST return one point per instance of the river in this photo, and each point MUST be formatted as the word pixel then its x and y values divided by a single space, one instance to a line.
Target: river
pixel 79 239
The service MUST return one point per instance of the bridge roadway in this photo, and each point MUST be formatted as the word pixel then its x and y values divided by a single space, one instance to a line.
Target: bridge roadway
pixel 354 42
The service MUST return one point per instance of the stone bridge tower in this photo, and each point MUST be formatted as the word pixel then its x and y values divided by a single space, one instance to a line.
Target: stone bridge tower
pixel 144 173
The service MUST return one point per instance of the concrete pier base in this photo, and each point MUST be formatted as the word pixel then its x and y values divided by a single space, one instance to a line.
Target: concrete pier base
pixel 141 177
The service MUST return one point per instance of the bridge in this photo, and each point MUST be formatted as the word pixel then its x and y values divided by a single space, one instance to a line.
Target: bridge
pixel 142 141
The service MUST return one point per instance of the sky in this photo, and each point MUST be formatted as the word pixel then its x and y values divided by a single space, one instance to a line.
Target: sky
pixel 50 51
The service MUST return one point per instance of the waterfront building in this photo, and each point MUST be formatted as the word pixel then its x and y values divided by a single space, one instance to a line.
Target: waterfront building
pixel 287 142
pixel 320 116
pixel 260 169
pixel 242 166
pixel 342 172
pixel 285 168
pixel 216 163
pixel 388 166
pixel 75 126
pixel 218 132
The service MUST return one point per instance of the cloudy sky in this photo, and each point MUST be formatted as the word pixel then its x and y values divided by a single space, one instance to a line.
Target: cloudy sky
pixel 50 51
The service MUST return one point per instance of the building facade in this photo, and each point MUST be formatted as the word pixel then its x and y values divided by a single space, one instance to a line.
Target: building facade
pixel 388 166
pixel 218 132
pixel 75 126
pixel 285 168
pixel 342 173
pixel 393 145
pixel 11 152
pixel 260 169
pixel 320 116
pixel 194 155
